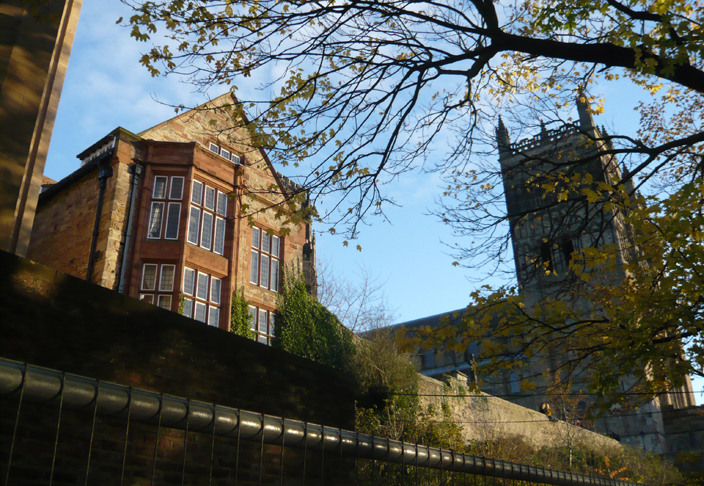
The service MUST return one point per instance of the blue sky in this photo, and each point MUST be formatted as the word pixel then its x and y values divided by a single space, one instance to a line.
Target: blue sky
pixel 106 87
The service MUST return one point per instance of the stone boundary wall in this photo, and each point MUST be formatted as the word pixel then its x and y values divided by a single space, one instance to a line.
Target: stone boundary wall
pixel 486 418
pixel 51 319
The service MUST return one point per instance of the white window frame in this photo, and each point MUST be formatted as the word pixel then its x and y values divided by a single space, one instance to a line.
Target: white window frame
pixel 161 278
pixel 188 307
pixel 212 308
pixel 166 187
pixel 159 297
pixel 217 202
pixel 223 152
pixel 191 208
pixel 151 220
pixel 199 202
pixel 214 148
pixel 219 281
pixel 194 273
pixel 178 221
pixel 219 235
pixel 235 156
pixel 207 287
pixel 144 268
pixel 205 311
pixel 209 228
pixel 207 192
pixel 171 188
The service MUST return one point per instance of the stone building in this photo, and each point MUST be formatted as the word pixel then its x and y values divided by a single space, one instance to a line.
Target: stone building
pixel 35 46
pixel 544 233
pixel 180 215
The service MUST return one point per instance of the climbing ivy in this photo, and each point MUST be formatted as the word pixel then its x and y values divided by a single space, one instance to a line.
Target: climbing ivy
pixel 306 328
pixel 240 320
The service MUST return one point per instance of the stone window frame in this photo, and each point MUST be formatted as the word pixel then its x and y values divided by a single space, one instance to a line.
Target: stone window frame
pixel 267 334
pixel 259 254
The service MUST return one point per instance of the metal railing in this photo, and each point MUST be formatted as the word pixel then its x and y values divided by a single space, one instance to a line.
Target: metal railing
pixel 266 449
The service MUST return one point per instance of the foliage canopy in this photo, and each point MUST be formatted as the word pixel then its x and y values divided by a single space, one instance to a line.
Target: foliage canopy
pixel 366 91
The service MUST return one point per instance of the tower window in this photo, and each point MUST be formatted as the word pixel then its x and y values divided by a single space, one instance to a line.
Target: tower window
pixel 567 248
pixel 545 256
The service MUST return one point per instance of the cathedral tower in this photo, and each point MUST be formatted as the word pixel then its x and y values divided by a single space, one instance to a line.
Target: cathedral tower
pixel 549 222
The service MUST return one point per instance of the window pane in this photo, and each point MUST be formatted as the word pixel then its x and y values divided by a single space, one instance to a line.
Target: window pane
pixel 197 195
pixel 149 277
pixel 214 148
pixel 222 203
pixel 214 316
pixel 514 381
pixel 266 239
pixel 264 274
pixel 275 246
pixel 206 235
pixel 176 188
pixel 147 298
pixel 255 237
pixel 215 288
pixel 172 220
pixel 235 159
pixel 274 275
pixel 159 187
pixel 263 339
pixel 202 292
pixel 225 153
pixel 157 214
pixel 209 198
pixel 193 224
pixel 166 283
pixel 263 321
pixel 187 307
pixel 253 318
pixel 254 268
pixel 199 315
pixel 272 324
pixel 189 280
pixel 164 302
pixel 219 239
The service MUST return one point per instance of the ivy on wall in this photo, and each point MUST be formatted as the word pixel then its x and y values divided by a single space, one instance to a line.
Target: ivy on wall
pixel 306 328
pixel 240 320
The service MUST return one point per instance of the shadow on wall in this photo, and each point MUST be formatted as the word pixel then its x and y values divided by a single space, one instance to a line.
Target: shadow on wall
pixel 51 319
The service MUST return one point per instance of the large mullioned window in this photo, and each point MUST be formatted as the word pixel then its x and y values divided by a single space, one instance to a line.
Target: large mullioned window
pixel 165 209
pixel 158 284
pixel 206 218
pixel 202 296
pixel 265 260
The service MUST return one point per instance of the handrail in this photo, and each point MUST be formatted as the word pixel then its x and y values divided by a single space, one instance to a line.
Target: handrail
pixel 47 386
